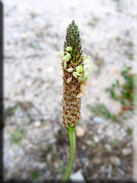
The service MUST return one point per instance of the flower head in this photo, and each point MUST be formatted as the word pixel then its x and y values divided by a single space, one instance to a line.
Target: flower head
pixel 75 75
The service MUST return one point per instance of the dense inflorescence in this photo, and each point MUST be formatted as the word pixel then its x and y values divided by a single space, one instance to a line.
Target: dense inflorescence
pixel 71 87
pixel 75 75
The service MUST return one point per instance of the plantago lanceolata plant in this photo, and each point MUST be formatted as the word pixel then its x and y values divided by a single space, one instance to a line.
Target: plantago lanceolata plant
pixel 75 75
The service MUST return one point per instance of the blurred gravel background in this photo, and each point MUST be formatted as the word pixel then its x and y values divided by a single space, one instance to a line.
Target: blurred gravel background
pixel 34 31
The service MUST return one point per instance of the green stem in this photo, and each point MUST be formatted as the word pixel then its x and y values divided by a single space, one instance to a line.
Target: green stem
pixel 72 155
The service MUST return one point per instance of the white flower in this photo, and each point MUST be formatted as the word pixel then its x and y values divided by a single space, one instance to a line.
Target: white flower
pixel 87 61
pixel 87 74
pixel 85 57
pixel 70 69
pixel 87 67
pixel 69 49
pixel 80 79
pixel 79 69
pixel 67 57
pixel 84 76
pixel 75 74
pixel 60 53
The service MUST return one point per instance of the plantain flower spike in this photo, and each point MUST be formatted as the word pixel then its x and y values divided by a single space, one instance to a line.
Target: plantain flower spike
pixel 74 75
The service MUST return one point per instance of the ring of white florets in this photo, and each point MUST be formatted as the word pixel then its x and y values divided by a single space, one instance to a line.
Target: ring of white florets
pixel 82 73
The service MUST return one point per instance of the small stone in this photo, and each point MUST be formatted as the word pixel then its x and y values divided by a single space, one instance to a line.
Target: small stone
pixel 49 157
pixel 24 176
pixel 25 104
pixel 126 151
pixel 59 177
pixel 99 131
pixel 80 132
pixel 94 176
pixel 37 123
pixel 52 141
pixel 45 117
pixel 56 164
pixel 96 138
pixel 89 114
pixel 49 69
pixel 17 113
pixel 42 166
pixel 77 177
pixel 56 129
pixel 28 84
pixel 97 161
pixel 23 36
pixel 47 174
pixel 108 147
pixel 11 153
pixel 109 171
pixel 35 165
pixel 115 160
pixel 98 120
pixel 83 147
pixel 121 171
pixel 84 160
pixel 88 142
pixel 103 168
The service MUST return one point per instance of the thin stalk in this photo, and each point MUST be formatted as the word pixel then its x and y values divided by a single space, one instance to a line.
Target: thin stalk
pixel 72 155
